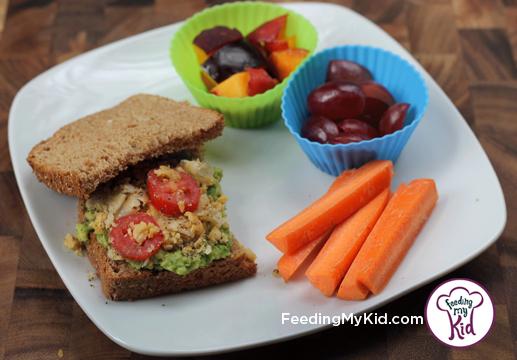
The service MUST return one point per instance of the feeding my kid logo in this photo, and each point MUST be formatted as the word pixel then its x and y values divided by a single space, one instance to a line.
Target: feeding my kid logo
pixel 459 312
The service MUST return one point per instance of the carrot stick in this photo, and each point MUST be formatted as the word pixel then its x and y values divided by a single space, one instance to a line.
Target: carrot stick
pixel 288 264
pixel 333 208
pixel 334 259
pixel 390 239
pixel 351 288
pixel 342 179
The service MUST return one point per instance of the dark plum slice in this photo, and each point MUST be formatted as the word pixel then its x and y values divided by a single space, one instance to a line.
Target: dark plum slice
pixel 215 38
pixel 233 58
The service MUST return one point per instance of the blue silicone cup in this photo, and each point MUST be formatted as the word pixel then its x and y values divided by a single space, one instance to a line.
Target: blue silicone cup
pixel 400 77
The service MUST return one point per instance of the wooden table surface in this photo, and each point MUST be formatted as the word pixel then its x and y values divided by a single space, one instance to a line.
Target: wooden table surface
pixel 468 46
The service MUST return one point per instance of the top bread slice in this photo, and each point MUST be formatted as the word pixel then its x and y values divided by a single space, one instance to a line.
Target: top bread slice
pixel 94 149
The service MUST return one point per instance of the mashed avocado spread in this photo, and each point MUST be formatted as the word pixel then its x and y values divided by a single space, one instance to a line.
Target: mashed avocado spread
pixel 191 241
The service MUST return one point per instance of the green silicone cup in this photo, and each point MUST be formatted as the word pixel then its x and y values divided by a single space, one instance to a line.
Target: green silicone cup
pixel 247 112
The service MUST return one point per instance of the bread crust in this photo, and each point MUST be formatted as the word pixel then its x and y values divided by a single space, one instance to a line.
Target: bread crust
pixel 121 282
pixel 96 148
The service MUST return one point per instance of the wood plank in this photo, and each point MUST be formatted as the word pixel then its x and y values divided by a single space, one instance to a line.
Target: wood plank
pixel 403 342
pixel 391 17
pixel 486 270
pixel 389 12
pixel 478 14
pixel 4 5
pixel 14 73
pixel 11 208
pixel 28 30
pixel 84 333
pixel 78 26
pixel 122 21
pixel 34 267
pixel 507 251
pixel 399 32
pixel 495 109
pixel 448 71
pixel 431 28
pixel 511 30
pixel 510 276
pixel 9 248
pixel 181 8
pixel 488 55
pixel 40 324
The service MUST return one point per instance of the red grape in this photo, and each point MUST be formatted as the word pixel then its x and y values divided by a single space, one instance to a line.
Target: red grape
pixel 373 111
pixel 378 100
pixel 336 100
pixel 349 138
pixel 371 89
pixel 343 70
pixel 357 127
pixel 393 118
pixel 319 129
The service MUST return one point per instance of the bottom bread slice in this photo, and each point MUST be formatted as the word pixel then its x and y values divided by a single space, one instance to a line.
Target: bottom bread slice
pixel 121 282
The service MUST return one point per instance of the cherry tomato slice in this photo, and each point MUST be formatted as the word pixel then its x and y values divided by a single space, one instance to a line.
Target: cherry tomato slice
pixel 171 197
pixel 126 245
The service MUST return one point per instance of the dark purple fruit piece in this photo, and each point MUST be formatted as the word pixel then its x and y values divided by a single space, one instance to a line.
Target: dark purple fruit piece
pixel 215 38
pixel 233 58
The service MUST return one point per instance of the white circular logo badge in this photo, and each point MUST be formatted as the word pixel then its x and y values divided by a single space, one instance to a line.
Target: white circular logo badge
pixel 459 312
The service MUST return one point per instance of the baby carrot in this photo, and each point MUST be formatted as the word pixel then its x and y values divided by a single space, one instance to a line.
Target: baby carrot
pixel 333 208
pixel 390 239
pixel 288 264
pixel 334 259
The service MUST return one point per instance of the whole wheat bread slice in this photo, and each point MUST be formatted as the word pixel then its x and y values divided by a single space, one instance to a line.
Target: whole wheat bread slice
pixel 121 282
pixel 127 140
pixel 97 147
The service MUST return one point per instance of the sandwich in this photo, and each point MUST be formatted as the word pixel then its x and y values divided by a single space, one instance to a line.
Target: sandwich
pixel 151 214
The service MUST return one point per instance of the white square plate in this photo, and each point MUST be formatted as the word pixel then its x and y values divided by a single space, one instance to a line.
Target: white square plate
pixel 267 178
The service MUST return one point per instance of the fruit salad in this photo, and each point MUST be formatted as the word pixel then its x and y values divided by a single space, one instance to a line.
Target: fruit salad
pixel 350 107
pixel 233 65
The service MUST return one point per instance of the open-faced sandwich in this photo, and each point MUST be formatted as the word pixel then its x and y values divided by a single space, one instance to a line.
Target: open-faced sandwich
pixel 152 215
